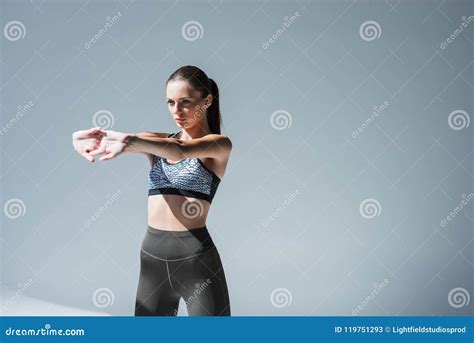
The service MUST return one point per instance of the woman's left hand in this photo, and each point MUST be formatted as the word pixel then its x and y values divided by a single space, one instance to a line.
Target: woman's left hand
pixel 112 145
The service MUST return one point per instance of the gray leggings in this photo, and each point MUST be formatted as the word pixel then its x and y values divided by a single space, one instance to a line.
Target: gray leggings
pixel 181 264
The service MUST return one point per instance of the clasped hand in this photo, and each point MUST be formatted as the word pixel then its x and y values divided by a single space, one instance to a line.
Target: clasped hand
pixel 96 141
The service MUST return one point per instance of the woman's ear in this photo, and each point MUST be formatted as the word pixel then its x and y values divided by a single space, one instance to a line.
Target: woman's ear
pixel 209 99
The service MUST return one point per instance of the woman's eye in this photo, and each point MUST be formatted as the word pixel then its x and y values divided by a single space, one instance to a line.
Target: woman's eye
pixel 185 101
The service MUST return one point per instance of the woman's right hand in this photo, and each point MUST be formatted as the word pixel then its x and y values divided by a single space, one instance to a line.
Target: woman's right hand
pixel 87 141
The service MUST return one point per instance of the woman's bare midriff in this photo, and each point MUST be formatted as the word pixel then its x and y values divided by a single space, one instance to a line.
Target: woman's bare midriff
pixel 176 212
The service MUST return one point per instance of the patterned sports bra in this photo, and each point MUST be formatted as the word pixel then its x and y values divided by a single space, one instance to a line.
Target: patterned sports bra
pixel 188 177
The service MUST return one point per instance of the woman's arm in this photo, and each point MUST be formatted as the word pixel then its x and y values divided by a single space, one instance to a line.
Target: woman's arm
pixel 115 143
pixel 147 135
pixel 153 145
pixel 212 146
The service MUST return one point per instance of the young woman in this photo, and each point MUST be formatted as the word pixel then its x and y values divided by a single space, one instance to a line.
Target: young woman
pixel 178 258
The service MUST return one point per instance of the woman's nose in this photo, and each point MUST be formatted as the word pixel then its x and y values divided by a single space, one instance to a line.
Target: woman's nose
pixel 176 109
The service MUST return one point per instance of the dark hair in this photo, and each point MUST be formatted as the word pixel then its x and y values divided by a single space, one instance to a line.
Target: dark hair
pixel 200 82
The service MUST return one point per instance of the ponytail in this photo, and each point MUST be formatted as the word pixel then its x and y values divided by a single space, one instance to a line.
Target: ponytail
pixel 213 112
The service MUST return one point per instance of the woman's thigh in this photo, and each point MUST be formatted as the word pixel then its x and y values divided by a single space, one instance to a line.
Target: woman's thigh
pixel 155 296
pixel 201 282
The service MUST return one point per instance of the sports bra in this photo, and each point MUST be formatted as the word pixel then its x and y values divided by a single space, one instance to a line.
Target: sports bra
pixel 188 177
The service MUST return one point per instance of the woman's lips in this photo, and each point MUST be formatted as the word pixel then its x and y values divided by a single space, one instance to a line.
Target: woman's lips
pixel 180 120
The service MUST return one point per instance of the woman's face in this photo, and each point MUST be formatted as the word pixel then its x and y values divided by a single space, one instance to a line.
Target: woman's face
pixel 185 104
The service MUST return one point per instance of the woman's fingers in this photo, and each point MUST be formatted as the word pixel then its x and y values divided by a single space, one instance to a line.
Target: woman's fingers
pixel 96 133
pixel 109 156
pixel 98 151
pixel 93 142
pixel 89 141
pixel 91 133
pixel 87 157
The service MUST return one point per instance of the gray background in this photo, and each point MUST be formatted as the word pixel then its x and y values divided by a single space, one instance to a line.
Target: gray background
pixel 287 217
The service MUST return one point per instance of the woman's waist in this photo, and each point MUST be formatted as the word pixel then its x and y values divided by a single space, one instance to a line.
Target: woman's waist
pixel 172 222
pixel 177 212
pixel 169 244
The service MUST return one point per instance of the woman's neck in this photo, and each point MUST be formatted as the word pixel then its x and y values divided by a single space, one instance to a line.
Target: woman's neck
pixel 194 132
